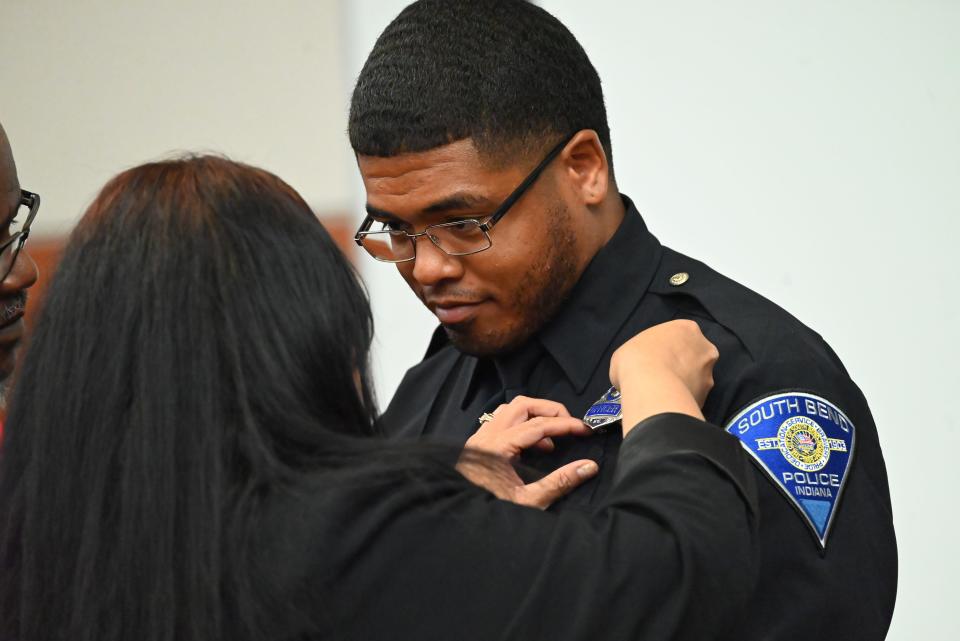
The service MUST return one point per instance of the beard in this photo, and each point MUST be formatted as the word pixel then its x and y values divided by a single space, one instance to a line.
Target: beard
pixel 538 295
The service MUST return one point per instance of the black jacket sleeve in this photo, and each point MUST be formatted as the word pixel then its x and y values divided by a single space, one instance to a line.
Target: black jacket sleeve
pixel 671 553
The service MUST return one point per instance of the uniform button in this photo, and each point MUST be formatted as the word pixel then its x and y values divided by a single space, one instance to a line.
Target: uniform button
pixel 679 279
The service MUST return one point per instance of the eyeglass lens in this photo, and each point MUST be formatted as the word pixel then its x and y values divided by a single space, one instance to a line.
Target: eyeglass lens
pixel 387 245
pixel 13 240
pixel 9 255
pixel 458 238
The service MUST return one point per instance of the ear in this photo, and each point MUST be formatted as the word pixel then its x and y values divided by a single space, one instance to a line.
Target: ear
pixel 585 164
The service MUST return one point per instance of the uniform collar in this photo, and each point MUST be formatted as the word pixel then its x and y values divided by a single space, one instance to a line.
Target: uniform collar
pixel 603 299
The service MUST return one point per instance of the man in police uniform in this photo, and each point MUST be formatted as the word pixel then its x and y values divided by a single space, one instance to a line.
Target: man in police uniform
pixel 482 140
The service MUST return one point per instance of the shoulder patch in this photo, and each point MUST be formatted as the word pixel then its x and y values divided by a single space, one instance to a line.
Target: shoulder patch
pixel 805 444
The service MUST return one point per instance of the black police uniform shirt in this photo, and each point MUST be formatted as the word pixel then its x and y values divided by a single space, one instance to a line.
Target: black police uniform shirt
pixel 828 551
pixel 414 552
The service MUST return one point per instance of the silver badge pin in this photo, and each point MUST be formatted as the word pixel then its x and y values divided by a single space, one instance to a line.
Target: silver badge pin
pixel 605 411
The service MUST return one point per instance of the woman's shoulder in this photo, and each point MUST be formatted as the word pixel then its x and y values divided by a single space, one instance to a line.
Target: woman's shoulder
pixel 312 538
pixel 325 518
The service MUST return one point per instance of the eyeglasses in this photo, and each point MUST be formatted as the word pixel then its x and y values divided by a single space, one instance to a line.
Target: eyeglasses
pixel 18 230
pixel 457 238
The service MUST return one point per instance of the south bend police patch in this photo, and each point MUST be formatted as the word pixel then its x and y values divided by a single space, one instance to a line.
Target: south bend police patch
pixel 805 443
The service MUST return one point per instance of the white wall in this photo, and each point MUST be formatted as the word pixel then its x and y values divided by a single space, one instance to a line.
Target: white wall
pixel 811 151
pixel 91 87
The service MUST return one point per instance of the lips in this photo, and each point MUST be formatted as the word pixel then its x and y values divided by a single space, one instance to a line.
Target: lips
pixel 452 312
pixel 12 309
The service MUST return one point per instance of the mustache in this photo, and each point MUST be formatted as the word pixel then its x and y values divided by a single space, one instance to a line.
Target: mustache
pixel 436 292
pixel 12 308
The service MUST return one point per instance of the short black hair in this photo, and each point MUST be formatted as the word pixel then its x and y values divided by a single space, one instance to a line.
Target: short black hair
pixel 504 73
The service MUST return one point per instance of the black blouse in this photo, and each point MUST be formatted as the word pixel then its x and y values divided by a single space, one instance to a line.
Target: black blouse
pixel 670 553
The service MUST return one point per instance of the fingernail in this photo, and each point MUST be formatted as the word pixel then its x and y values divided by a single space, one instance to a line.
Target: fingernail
pixel 587 469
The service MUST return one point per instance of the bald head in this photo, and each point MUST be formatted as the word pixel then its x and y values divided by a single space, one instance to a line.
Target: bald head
pixel 9 184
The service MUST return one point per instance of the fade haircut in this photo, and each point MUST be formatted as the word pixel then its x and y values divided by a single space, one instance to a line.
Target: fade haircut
pixel 504 73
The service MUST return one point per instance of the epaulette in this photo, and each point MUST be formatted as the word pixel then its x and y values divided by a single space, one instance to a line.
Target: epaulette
pixel 743 312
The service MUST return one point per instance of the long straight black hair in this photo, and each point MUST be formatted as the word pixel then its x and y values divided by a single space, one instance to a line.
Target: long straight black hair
pixel 204 342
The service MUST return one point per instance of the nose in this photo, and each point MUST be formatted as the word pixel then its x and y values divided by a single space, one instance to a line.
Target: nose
pixel 432 265
pixel 22 276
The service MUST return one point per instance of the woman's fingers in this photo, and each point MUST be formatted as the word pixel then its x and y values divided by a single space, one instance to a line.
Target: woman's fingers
pixel 543 493
pixel 523 408
pixel 539 407
pixel 536 433
pixel 544 445
pixel 676 349
pixel 538 429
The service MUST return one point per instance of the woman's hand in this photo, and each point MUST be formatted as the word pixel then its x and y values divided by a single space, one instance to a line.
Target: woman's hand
pixel 667 368
pixel 525 423
pixel 522 424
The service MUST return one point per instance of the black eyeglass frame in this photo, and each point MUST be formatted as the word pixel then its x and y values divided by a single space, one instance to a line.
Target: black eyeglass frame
pixel 32 202
pixel 485 227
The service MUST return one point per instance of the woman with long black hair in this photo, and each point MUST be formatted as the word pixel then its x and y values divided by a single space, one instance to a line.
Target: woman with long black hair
pixel 191 455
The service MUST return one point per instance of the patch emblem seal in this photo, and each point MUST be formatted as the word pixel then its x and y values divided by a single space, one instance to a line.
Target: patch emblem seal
pixel 805 444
